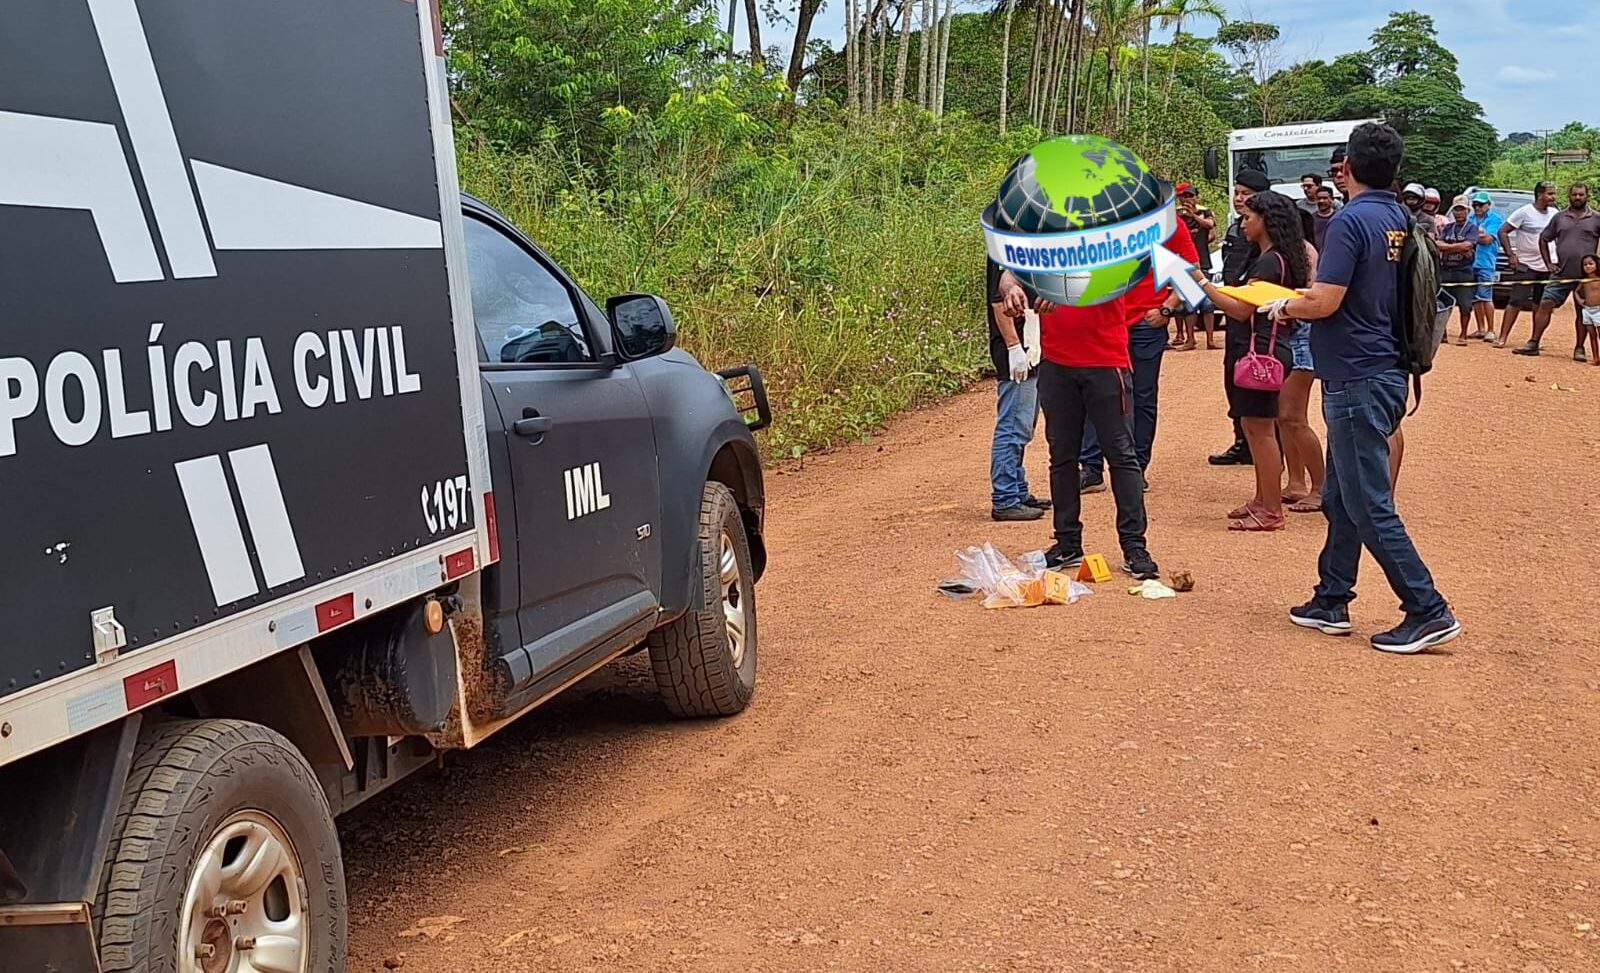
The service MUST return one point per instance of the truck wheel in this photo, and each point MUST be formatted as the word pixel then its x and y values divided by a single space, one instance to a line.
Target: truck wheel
pixel 224 858
pixel 705 661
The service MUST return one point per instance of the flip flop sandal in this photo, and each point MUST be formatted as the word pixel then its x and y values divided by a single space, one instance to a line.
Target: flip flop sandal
pixel 1292 497
pixel 1258 521
pixel 1306 505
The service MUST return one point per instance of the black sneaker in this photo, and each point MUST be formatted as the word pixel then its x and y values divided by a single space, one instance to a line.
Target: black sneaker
pixel 1411 637
pixel 1526 348
pixel 1059 558
pixel 1236 455
pixel 1327 619
pixel 1020 512
pixel 1141 566
pixel 1578 355
pixel 1091 482
pixel 1034 501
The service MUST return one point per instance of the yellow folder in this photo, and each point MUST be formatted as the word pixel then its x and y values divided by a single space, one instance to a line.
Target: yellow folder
pixel 1259 292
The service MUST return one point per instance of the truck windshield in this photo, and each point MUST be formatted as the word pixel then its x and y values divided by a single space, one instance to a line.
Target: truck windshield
pixel 1286 164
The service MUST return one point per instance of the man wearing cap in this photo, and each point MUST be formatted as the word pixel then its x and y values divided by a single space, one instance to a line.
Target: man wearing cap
pixel 1485 263
pixel 1201 224
pixel 1458 252
pixel 1571 235
pixel 1238 256
pixel 1520 237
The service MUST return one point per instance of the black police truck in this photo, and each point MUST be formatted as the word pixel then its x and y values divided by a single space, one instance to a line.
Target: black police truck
pixel 312 468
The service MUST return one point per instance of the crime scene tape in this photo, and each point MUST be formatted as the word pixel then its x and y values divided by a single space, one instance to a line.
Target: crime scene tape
pixel 1511 282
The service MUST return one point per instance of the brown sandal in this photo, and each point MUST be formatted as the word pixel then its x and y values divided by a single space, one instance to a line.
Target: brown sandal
pixel 1309 504
pixel 1259 521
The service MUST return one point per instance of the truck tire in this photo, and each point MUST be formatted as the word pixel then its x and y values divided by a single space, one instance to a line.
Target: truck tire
pixel 705 661
pixel 223 845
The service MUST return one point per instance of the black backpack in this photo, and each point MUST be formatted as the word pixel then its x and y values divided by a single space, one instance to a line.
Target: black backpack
pixel 1417 298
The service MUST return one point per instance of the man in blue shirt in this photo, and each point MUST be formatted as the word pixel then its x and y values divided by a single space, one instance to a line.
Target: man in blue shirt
pixel 1352 308
pixel 1485 263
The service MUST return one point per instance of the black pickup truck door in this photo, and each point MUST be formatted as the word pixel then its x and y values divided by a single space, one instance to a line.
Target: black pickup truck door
pixel 585 498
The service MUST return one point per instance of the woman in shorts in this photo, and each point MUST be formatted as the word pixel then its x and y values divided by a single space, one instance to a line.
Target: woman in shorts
pixel 1271 221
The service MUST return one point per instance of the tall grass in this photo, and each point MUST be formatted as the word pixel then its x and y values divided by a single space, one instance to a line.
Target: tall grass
pixel 845 262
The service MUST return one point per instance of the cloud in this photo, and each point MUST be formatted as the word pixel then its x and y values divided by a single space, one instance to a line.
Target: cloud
pixel 1516 76
pixel 1570 32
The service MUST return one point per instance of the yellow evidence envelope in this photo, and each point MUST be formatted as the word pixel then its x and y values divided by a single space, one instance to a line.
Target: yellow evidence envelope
pixel 1259 292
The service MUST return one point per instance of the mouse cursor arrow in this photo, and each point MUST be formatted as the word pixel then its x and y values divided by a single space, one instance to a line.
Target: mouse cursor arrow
pixel 1167 269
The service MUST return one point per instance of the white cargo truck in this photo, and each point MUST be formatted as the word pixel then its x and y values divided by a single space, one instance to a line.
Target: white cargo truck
pixel 313 468
pixel 1284 152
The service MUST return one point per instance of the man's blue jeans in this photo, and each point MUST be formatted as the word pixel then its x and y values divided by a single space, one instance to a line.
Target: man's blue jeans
pixel 1015 419
pixel 1146 345
pixel 1358 501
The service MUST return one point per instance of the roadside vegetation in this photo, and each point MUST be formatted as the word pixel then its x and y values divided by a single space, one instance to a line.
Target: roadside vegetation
pixel 815 211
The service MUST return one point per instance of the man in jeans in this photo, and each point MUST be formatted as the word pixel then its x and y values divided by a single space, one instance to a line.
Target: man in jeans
pixel 1082 379
pixel 1458 253
pixel 1352 308
pixel 1148 313
pixel 1017 413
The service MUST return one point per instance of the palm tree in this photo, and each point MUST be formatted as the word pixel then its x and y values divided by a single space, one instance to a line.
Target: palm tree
pixel 1115 22
pixel 1173 16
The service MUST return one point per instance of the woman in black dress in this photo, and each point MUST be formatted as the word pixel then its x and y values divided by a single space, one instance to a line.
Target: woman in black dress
pixel 1272 222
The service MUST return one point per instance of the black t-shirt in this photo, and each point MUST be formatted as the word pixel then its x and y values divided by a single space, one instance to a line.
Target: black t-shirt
pixel 1201 237
pixel 1274 269
pixel 997 344
pixel 1238 255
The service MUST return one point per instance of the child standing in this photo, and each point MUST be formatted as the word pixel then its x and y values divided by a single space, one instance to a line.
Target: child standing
pixel 1589 298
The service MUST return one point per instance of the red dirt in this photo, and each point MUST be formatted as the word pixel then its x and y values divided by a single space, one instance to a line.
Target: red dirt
pixel 1184 785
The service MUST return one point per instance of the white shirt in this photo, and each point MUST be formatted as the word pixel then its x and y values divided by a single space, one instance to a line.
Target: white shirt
pixel 1528 223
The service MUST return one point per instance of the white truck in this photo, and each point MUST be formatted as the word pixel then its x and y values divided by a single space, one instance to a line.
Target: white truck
pixel 313 468
pixel 1284 152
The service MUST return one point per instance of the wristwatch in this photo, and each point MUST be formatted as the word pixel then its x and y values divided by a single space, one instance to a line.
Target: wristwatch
pixel 1169 312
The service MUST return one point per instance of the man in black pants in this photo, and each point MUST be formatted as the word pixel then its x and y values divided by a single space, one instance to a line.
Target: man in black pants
pixel 1085 376
pixel 1238 256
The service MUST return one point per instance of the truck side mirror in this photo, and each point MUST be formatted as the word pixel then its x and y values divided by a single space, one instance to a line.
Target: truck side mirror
pixel 642 325
pixel 1213 164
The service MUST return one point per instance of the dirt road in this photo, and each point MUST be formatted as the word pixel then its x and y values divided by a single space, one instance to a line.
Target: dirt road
pixel 1190 785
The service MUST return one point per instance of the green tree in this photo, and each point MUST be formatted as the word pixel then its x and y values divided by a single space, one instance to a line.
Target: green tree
pixel 1256 48
pixel 1416 89
pixel 1173 14
pixel 521 67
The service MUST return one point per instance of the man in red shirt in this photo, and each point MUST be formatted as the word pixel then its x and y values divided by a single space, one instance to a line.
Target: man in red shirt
pixel 1083 378
pixel 1147 343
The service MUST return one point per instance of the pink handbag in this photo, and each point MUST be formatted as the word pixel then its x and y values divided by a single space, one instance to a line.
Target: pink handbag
pixel 1263 373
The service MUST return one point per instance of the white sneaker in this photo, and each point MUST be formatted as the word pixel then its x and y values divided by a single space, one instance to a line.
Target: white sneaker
pixel 1489 336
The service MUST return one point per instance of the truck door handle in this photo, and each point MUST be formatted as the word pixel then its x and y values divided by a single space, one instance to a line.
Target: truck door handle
pixel 533 426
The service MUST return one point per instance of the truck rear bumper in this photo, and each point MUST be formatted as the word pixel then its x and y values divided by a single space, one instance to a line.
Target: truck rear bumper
pixel 55 936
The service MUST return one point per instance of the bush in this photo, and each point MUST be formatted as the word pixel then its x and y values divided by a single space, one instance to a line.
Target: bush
pixel 845 261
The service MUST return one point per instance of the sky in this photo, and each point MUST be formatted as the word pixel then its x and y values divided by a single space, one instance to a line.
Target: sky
pixel 1524 61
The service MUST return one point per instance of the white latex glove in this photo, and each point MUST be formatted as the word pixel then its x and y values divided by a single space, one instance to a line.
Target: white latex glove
pixel 1017 362
pixel 1030 338
pixel 1274 310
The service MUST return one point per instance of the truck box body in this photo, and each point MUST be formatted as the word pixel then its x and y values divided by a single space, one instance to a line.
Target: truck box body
pixel 233 408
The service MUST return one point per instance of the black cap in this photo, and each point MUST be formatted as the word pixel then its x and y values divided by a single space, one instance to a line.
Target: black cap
pixel 1253 180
